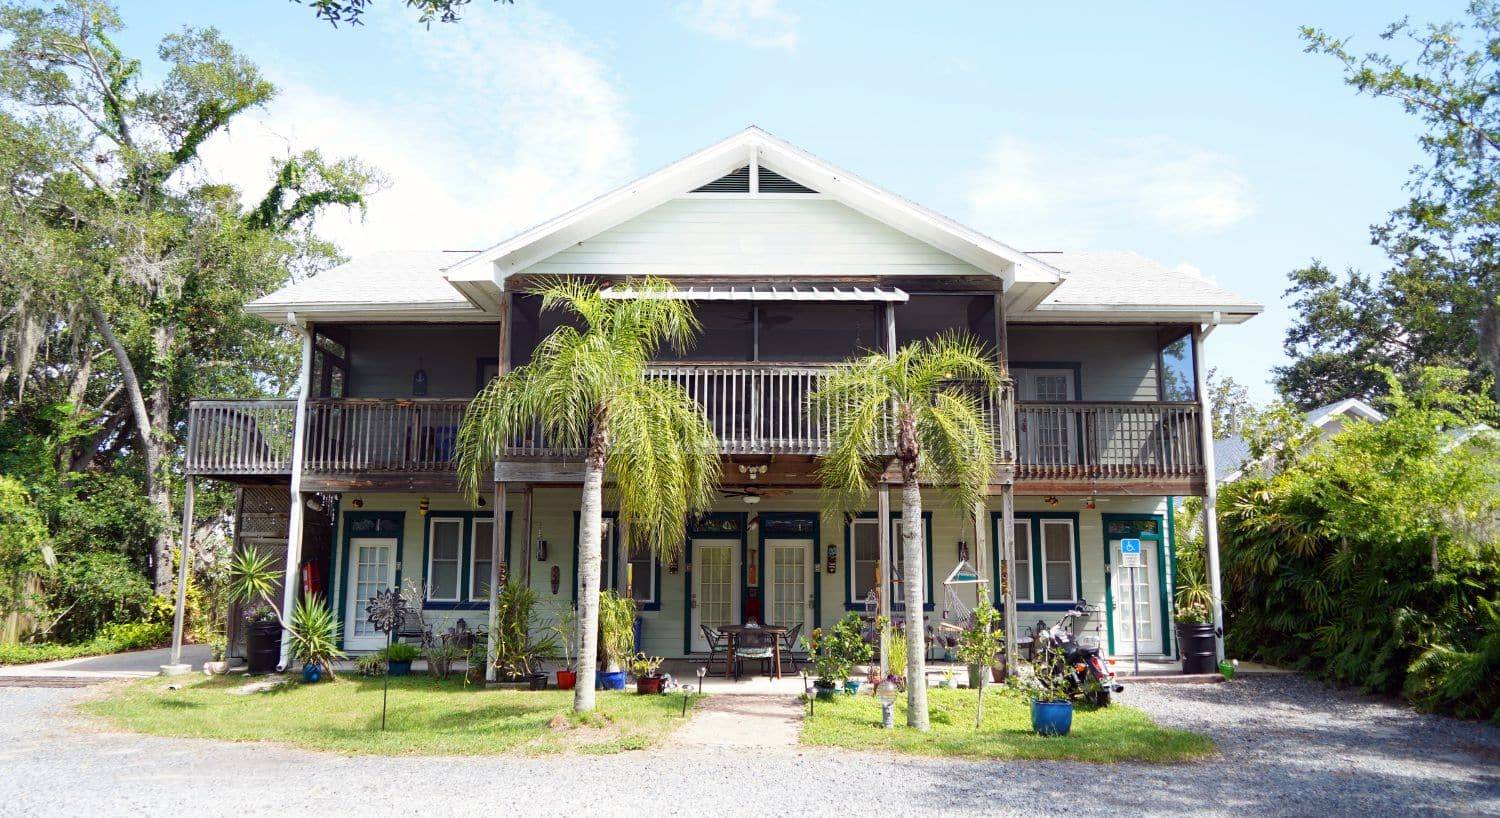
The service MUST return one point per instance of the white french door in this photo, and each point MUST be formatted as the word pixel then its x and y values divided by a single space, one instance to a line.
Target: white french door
pixel 716 586
pixel 372 568
pixel 1148 611
pixel 1047 433
pixel 789 575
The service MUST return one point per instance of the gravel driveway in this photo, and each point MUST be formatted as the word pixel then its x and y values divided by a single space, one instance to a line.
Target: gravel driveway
pixel 1290 748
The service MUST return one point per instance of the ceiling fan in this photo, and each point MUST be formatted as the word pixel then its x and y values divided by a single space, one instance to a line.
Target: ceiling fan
pixel 752 494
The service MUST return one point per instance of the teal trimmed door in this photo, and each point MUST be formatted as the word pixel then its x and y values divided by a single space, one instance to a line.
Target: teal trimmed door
pixel 1149 636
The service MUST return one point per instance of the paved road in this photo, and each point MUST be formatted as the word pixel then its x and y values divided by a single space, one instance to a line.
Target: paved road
pixel 130 664
pixel 1290 748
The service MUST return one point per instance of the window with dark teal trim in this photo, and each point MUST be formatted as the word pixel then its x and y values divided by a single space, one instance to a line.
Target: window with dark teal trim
pixel 612 575
pixel 473 591
pixel 1037 522
pixel 853 604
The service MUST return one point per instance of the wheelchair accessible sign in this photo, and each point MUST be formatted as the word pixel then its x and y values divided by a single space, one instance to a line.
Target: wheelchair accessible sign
pixel 1130 553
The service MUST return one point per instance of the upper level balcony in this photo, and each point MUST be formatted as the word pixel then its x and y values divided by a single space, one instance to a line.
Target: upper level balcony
pixel 755 410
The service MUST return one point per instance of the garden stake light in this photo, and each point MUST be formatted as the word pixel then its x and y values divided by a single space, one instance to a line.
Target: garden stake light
pixel 886 692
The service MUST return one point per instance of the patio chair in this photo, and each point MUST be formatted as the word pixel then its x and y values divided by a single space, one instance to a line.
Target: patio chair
pixel 750 647
pixel 789 646
pixel 716 647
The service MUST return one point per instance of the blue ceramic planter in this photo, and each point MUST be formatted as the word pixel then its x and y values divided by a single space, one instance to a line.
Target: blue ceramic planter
pixel 851 687
pixel 606 680
pixel 311 673
pixel 399 668
pixel 1051 718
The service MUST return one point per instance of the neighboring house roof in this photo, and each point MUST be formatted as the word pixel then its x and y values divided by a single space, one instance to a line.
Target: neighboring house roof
pixel 1232 454
pixel 465 285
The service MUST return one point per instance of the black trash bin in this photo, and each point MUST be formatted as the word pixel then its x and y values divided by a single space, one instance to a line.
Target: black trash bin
pixel 263 646
pixel 1199 653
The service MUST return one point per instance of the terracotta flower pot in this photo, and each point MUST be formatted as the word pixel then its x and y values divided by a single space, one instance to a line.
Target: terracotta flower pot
pixel 649 684
pixel 566 679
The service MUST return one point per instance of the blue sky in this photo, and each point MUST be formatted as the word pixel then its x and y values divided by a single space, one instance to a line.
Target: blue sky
pixel 1195 137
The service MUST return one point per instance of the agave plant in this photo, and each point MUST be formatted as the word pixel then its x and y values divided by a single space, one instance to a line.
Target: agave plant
pixel 315 634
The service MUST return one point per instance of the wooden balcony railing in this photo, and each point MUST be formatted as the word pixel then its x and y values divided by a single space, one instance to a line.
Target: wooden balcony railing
pixel 754 409
pixel 245 437
pixel 1108 440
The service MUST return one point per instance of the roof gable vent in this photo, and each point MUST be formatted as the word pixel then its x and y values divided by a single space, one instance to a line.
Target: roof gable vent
pixel 736 181
pixel 773 182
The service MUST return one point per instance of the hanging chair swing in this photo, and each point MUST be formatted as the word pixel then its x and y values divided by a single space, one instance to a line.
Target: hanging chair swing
pixel 957 614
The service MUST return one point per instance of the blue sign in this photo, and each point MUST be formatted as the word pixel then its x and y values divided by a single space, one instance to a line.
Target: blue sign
pixel 1131 546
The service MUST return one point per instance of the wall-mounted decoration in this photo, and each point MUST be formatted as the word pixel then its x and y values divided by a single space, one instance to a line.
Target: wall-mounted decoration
pixel 556 578
pixel 541 551
pixel 422 506
pixel 752 567
pixel 419 381
pixel 833 558
pixel 502 573
pixel 1051 501
pixel 359 502
pixel 963 551
pixel 673 565
pixel 481 501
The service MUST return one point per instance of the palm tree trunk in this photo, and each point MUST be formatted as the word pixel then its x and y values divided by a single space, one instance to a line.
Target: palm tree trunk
pixel 591 525
pixel 911 588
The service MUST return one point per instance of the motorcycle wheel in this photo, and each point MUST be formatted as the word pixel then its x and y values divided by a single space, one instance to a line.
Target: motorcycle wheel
pixel 1099 698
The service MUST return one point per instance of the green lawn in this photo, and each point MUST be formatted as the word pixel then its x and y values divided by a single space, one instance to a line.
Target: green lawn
pixel 425 717
pixel 1115 733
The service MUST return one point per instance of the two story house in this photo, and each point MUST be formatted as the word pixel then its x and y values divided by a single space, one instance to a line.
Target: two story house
pixel 791 264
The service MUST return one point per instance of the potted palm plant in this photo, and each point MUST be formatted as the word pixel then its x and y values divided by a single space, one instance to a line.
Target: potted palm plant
pixel 518 651
pixel 616 638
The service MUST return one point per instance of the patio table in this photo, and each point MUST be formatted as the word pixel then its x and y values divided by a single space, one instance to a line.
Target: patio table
pixel 732 633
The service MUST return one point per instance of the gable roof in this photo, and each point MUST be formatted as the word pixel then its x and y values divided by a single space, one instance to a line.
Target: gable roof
pixel 1029 279
pixel 1232 454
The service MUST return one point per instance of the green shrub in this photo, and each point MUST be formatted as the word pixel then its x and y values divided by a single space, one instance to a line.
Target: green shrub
pixel 399 652
pixel 111 638
pixel 1370 560
pixel 91 590
pixel 24 545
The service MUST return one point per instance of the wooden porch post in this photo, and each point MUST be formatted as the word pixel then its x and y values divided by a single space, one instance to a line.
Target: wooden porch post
pixel 526 495
pixel 291 579
pixel 1008 578
pixel 174 666
pixel 497 542
pixel 1210 483
pixel 883 576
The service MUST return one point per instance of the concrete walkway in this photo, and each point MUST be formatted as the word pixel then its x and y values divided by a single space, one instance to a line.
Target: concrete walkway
pixel 135 664
pixel 743 721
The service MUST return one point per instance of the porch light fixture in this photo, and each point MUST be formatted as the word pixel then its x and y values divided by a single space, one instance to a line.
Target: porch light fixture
pixel 1088 503
pixel 481 501
pixel 314 504
pixel 1051 501
pixel 541 550
pixel 359 502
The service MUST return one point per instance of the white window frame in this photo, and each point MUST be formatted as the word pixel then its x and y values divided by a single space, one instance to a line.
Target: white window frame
pixel 458 562
pixel 898 602
pixel 854 564
pixel 1026 549
pixel 473 592
pixel 1041 554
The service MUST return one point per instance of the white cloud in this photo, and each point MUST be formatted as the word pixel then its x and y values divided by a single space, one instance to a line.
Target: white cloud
pixel 1049 197
pixel 523 123
pixel 760 23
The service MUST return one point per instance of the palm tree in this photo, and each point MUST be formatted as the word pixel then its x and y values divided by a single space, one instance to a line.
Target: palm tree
pixel 926 397
pixel 588 390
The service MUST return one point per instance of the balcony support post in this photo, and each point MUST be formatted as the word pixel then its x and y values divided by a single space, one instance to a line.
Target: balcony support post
pixel 497 542
pixel 174 666
pixel 1210 482
pixel 1008 578
pixel 883 576
pixel 292 576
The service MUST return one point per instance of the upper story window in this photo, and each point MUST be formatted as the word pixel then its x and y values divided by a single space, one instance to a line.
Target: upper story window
pixel 1176 377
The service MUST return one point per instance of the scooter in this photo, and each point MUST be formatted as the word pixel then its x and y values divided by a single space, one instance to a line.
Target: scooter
pixel 1081 667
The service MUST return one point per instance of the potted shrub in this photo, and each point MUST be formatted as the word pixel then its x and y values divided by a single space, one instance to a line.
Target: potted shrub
pixel 443 650
pixel 1051 709
pixel 834 653
pixel 616 638
pixel 398 657
pixel 370 665
pixel 646 670
pixel 978 646
pixel 315 638
pixel 518 653
pixel 1195 637
pixel 563 630
pixel 828 668
pixel 217 665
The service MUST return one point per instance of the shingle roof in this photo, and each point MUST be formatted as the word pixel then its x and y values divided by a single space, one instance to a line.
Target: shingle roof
pixel 1127 278
pixel 399 277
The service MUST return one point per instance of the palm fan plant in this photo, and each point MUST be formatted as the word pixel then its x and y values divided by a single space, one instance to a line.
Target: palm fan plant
pixel 586 388
pixel 315 634
pixel 925 398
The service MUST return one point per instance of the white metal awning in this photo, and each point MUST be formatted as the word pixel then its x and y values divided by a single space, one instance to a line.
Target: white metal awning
pixel 770 292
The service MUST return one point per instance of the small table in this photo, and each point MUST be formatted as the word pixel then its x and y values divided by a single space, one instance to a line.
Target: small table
pixel 732 633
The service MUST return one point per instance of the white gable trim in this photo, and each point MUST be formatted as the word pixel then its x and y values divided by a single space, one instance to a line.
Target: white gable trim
pixel 753 145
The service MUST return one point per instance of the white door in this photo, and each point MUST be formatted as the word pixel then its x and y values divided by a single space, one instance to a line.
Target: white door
pixel 789 579
pixel 716 586
pixel 1046 432
pixel 372 568
pixel 1147 601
